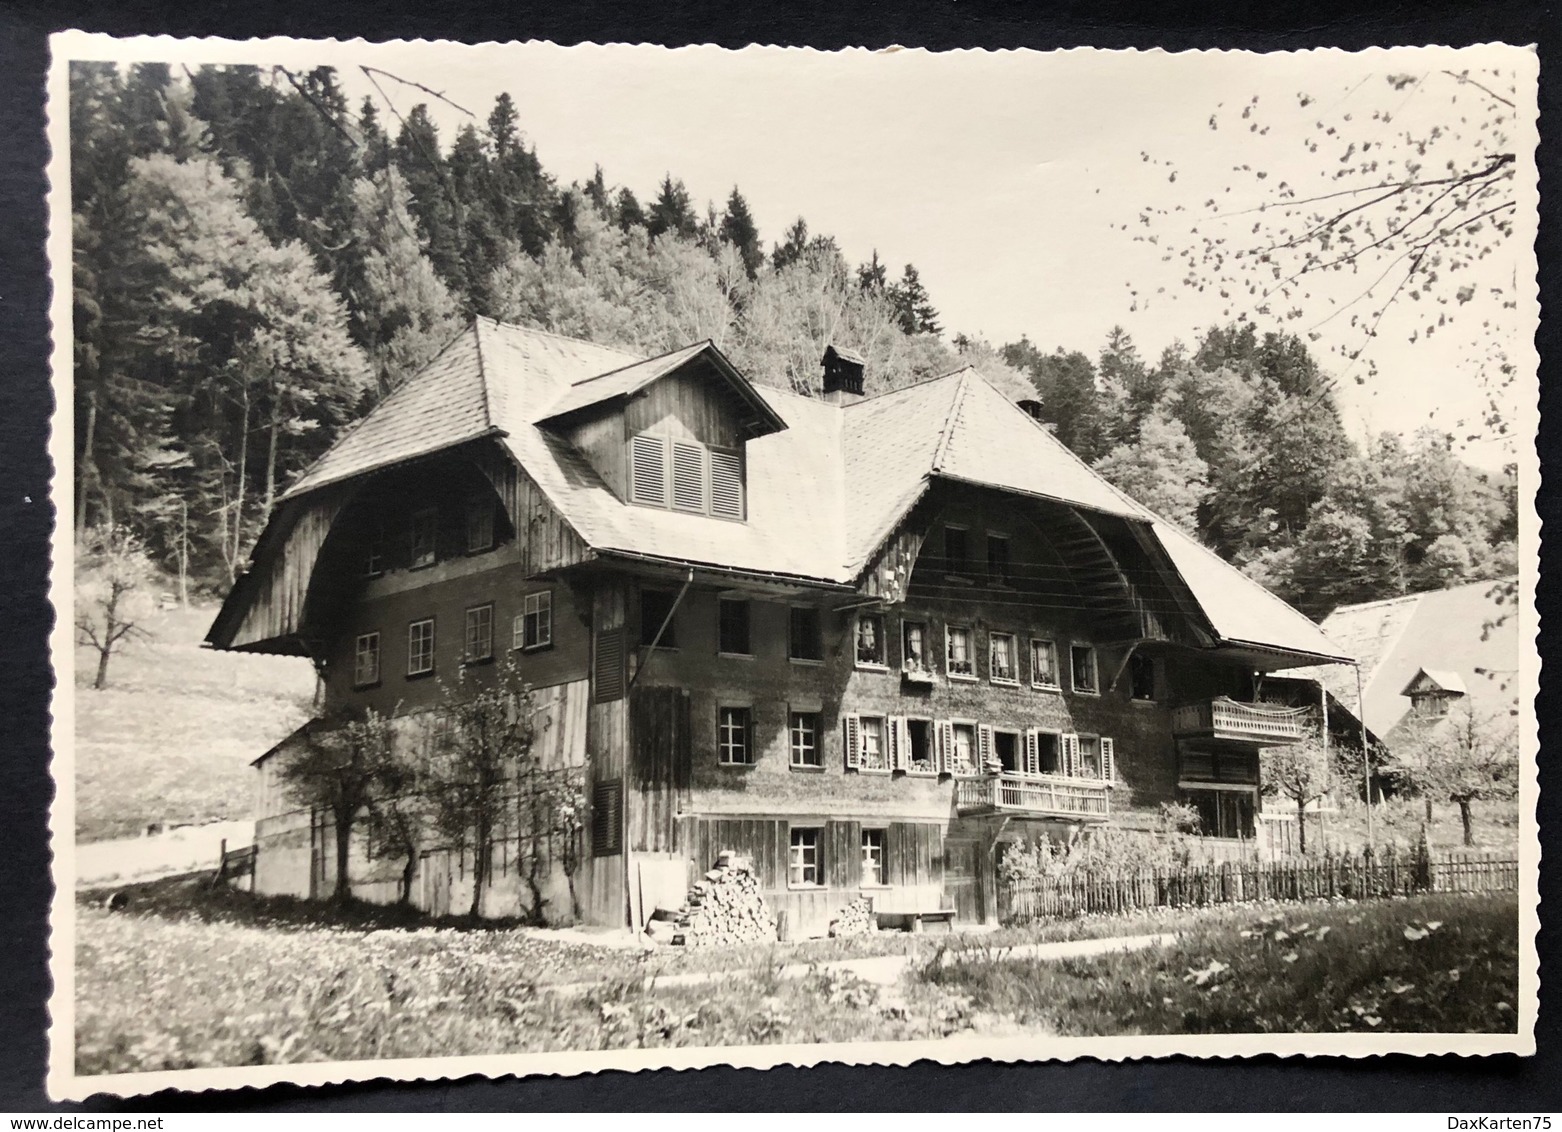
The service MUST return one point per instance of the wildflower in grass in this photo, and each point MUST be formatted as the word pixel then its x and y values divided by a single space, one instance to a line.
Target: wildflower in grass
pixel 1201 976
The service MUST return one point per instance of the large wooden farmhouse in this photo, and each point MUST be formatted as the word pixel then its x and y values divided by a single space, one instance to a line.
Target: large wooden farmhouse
pixel 864 640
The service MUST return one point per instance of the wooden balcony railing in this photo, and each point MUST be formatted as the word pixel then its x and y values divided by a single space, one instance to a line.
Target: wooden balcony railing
pixel 1047 795
pixel 1223 718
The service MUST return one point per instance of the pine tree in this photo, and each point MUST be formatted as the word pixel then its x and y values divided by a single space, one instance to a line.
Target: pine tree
pixel 791 249
pixel 738 229
pixel 671 211
pixel 912 305
pixel 417 155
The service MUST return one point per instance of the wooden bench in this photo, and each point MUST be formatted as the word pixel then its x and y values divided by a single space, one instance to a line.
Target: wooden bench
pixel 930 920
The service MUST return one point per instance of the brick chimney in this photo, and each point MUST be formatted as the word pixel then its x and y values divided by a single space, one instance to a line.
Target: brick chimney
pixel 842 375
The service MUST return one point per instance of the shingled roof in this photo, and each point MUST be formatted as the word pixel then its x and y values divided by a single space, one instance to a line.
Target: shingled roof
pixel 867 463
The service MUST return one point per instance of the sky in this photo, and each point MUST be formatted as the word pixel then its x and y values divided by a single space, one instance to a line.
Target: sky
pixel 1005 177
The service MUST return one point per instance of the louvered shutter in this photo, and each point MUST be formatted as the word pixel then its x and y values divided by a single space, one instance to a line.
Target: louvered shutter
pixel 1108 759
pixel 688 476
pixel 851 732
pixel 984 750
pixel 1071 754
pixel 726 484
pixel 609 665
pixel 1032 752
pixel 648 470
pixel 897 743
pixel 944 757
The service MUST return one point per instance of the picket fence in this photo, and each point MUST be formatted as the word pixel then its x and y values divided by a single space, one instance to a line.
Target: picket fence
pixel 1361 877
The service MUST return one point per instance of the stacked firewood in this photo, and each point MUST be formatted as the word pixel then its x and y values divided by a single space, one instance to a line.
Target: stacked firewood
pixel 855 919
pixel 723 907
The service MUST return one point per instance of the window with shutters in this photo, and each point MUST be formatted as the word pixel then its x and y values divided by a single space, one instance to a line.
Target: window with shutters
pixel 656 616
pixel 805 640
pixel 1006 749
pixel 803 862
pixel 921 758
pixel 480 634
pixel 420 647
pixel 870 640
pixel 1089 757
pixel 607 802
pixel 962 748
pixel 1003 659
pixel 366 660
pixel 873 858
pixel 533 626
pixel 960 663
pixel 1049 759
pixel 648 471
pixel 424 538
pixel 734 736
pixel 875 753
pixel 732 628
pixel 1043 664
pixel 1082 660
pixel 804 730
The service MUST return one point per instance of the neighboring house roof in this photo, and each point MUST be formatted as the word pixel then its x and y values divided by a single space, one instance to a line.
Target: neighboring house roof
pixel 1443 632
pixel 1438 680
pixel 824 491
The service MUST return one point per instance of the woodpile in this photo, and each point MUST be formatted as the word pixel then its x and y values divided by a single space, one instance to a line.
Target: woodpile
pixel 723 907
pixel 855 919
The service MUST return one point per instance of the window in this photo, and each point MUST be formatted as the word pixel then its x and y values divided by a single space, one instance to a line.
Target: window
pixel 686 476
pixel 656 608
pixel 1043 664
pixel 803 858
pixel 875 744
pixel 998 559
pixel 955 550
pixel 734 744
pixel 962 753
pixel 870 640
pixel 480 634
pixel 424 537
pixel 913 646
pixel 479 525
pixel 960 663
pixel 732 627
pixel 366 660
pixel 1430 705
pixel 420 647
pixel 607 818
pixel 1089 756
pixel 374 553
pixel 804 640
pixel 919 744
pixel 1082 659
pixel 1141 676
pixel 1048 760
pixel 1003 664
pixel 873 857
pixel 533 626
pixel 1006 746
pixel 805 739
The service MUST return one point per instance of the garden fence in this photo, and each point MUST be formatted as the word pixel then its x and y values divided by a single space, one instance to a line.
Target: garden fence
pixel 1354 876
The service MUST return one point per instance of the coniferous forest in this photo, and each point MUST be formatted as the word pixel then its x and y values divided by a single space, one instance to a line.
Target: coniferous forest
pixel 257 261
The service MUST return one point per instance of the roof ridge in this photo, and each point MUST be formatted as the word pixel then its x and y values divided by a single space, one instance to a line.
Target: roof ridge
pixel 641 362
pixel 1369 678
pixel 871 397
pixel 949 423
pixel 482 375
pixel 502 325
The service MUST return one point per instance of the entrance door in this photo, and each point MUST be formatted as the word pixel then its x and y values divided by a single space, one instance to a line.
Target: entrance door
pixel 962 880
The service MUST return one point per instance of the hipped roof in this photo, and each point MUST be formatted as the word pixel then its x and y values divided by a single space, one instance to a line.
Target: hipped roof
pixel 824 490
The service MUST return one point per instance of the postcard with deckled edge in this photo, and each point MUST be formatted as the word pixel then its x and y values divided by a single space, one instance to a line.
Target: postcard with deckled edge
pixel 615 557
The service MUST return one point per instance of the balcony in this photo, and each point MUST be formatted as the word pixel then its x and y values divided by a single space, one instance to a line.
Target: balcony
pixel 1263 725
pixel 1047 795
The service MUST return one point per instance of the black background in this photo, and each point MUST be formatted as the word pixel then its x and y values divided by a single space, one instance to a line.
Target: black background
pixel 1493 1085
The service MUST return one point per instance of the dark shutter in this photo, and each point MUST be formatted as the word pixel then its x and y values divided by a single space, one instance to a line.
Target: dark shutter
pixel 609 665
pixel 607 821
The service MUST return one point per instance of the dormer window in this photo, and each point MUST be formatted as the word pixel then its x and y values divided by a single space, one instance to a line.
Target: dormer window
pixel 1430 705
pixel 686 476
pixel 425 525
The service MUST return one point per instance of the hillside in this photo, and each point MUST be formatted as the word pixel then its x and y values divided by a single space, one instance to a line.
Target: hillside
pixel 172 736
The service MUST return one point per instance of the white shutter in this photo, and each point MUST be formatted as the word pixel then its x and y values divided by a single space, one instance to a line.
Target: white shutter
pixel 944 757
pixel 648 470
pixel 1071 754
pixel 1108 759
pixel 984 750
pixel 1032 752
pixel 688 476
pixel 726 484
pixel 851 732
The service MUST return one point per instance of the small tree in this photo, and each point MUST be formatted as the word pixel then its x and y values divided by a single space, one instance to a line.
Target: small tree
pixel 342 756
pixel 1467 755
pixel 398 813
pixel 483 735
pixel 112 576
pixel 1298 773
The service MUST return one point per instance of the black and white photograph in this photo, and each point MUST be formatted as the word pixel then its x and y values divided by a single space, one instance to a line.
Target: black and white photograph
pixel 575 558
